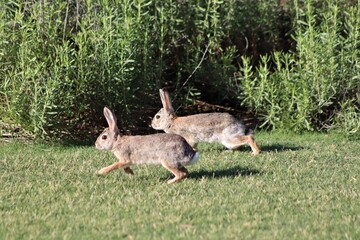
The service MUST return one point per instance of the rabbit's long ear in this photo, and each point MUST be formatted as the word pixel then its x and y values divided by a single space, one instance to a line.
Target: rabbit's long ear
pixel 166 101
pixel 111 119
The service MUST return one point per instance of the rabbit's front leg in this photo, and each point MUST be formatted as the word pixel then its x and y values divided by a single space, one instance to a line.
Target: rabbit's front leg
pixel 114 166
pixel 128 170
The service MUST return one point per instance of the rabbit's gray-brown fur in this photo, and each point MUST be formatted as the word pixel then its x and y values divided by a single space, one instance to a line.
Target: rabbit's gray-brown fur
pixel 170 150
pixel 207 127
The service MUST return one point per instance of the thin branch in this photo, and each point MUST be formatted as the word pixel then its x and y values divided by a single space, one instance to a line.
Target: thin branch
pixel 196 68
pixel 65 20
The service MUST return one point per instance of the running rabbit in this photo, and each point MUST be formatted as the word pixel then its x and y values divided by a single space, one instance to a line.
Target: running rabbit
pixel 170 150
pixel 207 127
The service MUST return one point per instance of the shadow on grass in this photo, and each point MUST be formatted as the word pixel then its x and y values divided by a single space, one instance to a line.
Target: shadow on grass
pixel 225 173
pixel 280 148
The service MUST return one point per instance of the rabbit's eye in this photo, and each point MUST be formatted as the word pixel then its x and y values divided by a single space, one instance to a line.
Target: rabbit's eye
pixel 104 137
pixel 157 116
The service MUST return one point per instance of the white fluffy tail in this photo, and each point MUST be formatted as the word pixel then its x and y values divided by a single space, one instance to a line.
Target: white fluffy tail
pixel 194 159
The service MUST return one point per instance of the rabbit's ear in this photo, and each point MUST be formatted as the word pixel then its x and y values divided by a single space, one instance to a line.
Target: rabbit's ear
pixel 111 119
pixel 166 101
pixel 161 91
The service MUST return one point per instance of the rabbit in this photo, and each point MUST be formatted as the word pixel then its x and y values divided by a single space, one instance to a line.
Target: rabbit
pixel 207 127
pixel 170 150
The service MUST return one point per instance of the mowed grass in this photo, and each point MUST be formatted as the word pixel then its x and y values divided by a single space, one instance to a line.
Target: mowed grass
pixel 299 187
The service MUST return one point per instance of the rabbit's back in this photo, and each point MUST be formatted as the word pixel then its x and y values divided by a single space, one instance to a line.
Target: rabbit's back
pixel 212 127
pixel 152 149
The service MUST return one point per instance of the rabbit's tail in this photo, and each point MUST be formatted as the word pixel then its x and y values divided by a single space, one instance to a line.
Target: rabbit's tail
pixel 249 132
pixel 194 159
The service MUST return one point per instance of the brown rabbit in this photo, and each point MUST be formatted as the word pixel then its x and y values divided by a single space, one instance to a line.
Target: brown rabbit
pixel 170 150
pixel 207 127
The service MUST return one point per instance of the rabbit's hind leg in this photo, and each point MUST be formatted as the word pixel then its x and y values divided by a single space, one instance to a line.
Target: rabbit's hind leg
pixel 180 172
pixel 237 141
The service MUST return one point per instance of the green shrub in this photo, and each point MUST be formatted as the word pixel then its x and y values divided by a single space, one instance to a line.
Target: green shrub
pixel 61 62
pixel 318 84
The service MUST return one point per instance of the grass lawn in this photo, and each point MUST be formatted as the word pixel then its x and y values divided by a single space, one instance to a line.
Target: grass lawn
pixel 300 187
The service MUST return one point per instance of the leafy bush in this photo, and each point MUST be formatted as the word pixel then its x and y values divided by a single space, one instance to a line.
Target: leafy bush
pixel 62 61
pixel 317 86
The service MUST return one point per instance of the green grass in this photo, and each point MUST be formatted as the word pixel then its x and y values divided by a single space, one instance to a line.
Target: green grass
pixel 300 187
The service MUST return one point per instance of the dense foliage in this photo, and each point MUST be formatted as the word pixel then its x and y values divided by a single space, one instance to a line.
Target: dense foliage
pixel 318 85
pixel 292 63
